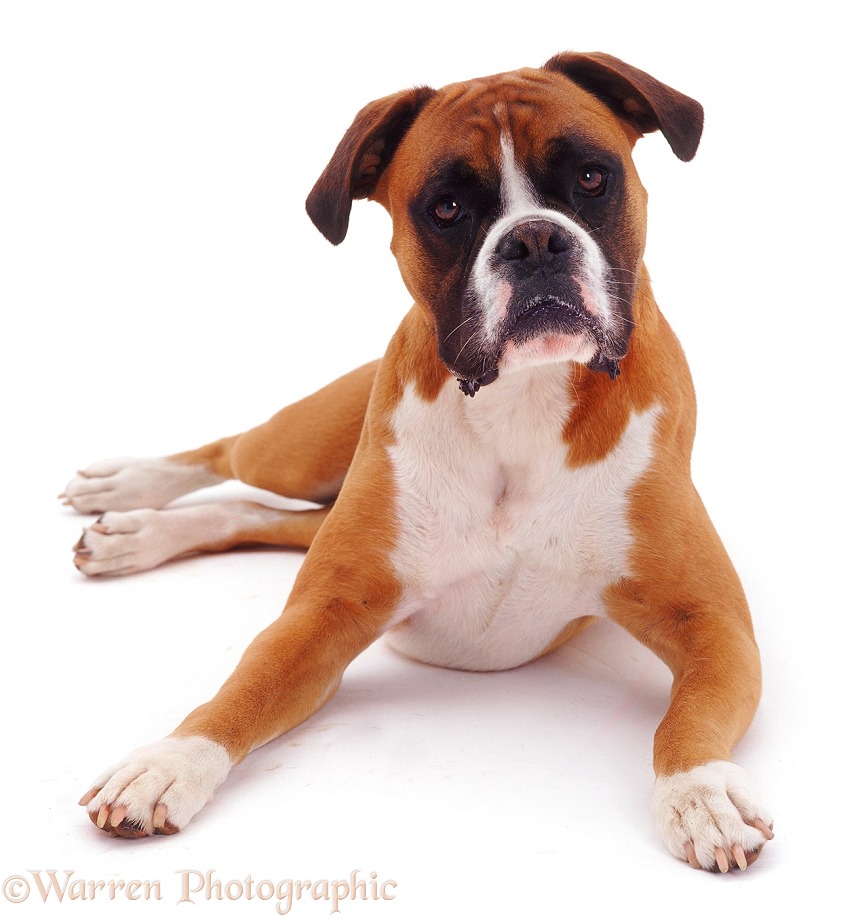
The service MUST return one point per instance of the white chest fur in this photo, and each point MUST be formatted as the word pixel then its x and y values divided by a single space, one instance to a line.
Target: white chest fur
pixel 501 543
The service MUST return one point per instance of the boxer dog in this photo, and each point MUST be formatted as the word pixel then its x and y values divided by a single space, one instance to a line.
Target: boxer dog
pixel 515 466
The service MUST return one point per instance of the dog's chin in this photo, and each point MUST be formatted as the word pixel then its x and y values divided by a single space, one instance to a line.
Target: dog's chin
pixel 516 354
pixel 550 347
pixel 550 329
pixel 540 331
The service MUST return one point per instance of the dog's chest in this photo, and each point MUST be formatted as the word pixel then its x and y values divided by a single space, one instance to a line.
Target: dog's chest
pixel 500 542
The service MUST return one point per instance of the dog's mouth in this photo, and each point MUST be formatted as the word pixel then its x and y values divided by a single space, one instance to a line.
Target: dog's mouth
pixel 551 315
pixel 547 317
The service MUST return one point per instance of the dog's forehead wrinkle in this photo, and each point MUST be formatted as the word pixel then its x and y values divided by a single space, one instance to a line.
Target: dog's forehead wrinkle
pixel 482 94
pixel 483 108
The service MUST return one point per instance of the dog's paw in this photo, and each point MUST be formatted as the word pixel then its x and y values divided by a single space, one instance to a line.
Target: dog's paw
pixel 126 543
pixel 711 816
pixel 130 484
pixel 157 789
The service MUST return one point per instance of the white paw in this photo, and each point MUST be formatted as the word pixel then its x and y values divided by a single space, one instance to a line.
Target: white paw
pixel 157 789
pixel 138 540
pixel 126 543
pixel 129 484
pixel 711 816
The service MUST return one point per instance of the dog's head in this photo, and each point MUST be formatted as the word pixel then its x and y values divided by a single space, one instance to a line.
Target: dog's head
pixel 518 215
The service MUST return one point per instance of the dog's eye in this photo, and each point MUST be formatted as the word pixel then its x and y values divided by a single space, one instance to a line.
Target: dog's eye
pixel 447 211
pixel 591 181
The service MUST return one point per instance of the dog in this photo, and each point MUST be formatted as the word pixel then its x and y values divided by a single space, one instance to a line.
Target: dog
pixel 515 466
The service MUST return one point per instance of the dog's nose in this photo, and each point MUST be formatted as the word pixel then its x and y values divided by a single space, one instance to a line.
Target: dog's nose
pixel 534 244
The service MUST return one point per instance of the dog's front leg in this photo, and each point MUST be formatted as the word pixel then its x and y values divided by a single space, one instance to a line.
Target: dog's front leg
pixel 706 809
pixel 340 604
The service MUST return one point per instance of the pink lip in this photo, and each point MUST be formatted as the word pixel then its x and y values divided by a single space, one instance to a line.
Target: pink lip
pixel 589 301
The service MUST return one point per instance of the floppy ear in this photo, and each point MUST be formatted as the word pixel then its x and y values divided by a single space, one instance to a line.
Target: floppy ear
pixel 362 155
pixel 636 97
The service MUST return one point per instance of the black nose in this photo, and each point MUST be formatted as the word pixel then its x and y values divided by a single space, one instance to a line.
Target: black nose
pixel 535 244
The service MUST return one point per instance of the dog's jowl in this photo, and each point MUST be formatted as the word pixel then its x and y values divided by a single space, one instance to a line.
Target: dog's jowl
pixel 516 465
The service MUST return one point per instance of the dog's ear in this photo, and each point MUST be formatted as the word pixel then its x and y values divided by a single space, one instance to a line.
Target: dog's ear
pixel 637 97
pixel 362 155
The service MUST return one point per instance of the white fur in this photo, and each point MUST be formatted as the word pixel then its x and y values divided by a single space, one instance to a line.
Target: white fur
pixel 516 191
pixel 138 540
pixel 709 807
pixel 520 204
pixel 501 543
pixel 180 772
pixel 128 484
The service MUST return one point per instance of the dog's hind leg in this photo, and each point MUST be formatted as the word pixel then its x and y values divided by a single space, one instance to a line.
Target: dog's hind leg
pixel 303 451
pixel 130 483
pixel 137 540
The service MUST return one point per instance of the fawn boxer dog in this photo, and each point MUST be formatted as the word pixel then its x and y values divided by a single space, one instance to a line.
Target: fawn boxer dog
pixel 515 466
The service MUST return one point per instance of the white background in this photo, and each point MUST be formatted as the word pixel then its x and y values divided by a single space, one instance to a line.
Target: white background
pixel 161 287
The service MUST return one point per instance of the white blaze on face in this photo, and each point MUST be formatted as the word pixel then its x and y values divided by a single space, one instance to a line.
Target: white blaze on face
pixel 493 291
pixel 517 193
